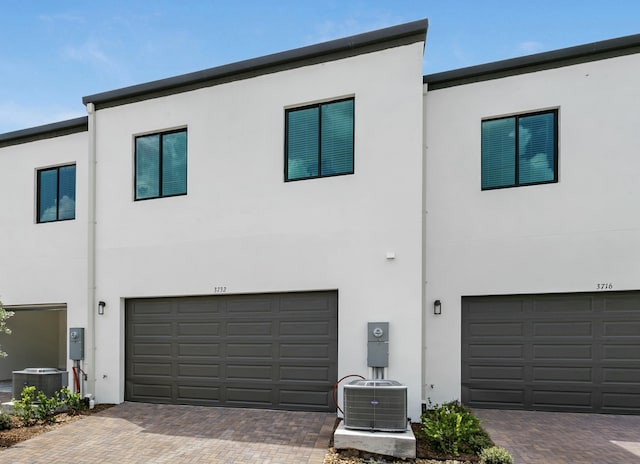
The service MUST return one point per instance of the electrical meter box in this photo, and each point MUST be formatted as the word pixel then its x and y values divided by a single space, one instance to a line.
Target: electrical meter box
pixel 76 343
pixel 378 344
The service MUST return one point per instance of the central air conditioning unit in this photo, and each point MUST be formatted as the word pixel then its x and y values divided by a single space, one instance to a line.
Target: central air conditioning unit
pixel 45 379
pixel 375 405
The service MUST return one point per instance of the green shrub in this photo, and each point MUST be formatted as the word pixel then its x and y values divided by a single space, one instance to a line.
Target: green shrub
pixel 452 429
pixel 5 421
pixel 47 407
pixel 73 401
pixel 495 455
pixel 24 407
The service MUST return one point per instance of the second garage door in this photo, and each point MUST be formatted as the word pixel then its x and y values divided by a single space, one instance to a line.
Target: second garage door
pixel 267 351
pixel 562 352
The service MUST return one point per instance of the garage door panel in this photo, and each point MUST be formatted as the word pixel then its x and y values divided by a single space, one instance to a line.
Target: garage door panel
pixel 153 330
pixel 198 349
pixel 207 371
pixel 623 352
pixel 496 372
pixel 493 329
pixel 155 369
pixel 305 328
pixel 563 329
pixel 580 352
pixel 563 304
pixel 622 329
pixel 250 350
pixel 487 352
pixel 151 349
pixel 292 351
pixel 562 374
pixel 552 399
pixel 305 373
pixel 194 394
pixel 250 328
pixel 187 329
pixel 544 352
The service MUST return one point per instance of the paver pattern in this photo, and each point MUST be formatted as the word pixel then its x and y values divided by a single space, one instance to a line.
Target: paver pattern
pixel 134 433
pixel 536 437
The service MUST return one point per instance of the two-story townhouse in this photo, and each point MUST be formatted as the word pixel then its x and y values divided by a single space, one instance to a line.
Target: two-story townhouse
pixel 533 231
pixel 43 241
pixel 236 229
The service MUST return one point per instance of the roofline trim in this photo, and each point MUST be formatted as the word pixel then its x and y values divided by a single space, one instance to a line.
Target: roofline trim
pixel 349 46
pixel 540 61
pixel 47 131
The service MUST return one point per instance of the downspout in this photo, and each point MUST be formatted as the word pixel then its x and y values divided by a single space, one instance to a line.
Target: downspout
pixel 90 342
pixel 424 282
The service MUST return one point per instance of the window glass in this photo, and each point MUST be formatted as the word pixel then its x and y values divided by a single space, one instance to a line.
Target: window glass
pixel 303 143
pixel 174 163
pixel 67 192
pixel 147 165
pixel 519 150
pixel 337 138
pixel 319 140
pixel 56 194
pixel 48 195
pixel 537 148
pixel 161 165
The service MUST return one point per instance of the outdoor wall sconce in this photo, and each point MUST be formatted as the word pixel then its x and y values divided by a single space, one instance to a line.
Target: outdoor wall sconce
pixel 437 307
pixel 101 305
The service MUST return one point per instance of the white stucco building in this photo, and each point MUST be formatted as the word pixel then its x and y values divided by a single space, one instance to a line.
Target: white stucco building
pixel 225 237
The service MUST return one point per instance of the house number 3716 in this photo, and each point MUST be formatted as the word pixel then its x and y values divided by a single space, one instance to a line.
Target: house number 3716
pixel 604 286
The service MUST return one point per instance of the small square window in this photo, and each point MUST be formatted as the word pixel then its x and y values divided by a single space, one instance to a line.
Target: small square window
pixel 161 165
pixel 520 150
pixel 56 194
pixel 319 140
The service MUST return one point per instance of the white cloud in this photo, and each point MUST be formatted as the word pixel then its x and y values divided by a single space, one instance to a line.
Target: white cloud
pixel 16 117
pixel 329 30
pixel 530 46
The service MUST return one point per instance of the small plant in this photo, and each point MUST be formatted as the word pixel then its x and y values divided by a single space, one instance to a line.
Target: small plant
pixel 5 421
pixel 73 401
pixel 495 455
pixel 453 429
pixel 24 407
pixel 47 407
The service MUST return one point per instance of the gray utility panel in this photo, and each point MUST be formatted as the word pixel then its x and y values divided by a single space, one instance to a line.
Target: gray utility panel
pixel 276 351
pixel 558 352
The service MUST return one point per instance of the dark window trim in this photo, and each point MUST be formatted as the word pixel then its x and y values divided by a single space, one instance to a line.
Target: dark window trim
pixel 286 139
pixel 517 183
pixel 38 182
pixel 161 135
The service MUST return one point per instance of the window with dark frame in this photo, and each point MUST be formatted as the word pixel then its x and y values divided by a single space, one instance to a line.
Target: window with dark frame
pixel 319 140
pixel 56 194
pixel 161 165
pixel 520 150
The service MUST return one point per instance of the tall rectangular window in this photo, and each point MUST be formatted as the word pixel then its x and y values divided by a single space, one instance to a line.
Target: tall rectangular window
pixel 319 140
pixel 520 150
pixel 161 165
pixel 56 193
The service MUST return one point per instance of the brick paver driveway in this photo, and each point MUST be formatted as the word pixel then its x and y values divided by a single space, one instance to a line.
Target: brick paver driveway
pixel 535 437
pixel 147 433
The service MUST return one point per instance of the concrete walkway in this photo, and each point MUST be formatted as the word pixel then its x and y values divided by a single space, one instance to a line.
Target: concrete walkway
pixel 535 437
pixel 134 433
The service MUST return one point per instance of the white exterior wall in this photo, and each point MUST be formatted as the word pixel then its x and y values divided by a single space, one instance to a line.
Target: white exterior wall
pixel 242 227
pixel 43 264
pixel 563 237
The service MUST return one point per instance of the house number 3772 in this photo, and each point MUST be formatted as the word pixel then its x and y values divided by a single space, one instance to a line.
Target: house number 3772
pixel 604 286
pixel 221 289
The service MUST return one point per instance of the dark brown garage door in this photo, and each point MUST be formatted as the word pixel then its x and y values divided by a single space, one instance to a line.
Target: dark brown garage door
pixel 567 352
pixel 275 351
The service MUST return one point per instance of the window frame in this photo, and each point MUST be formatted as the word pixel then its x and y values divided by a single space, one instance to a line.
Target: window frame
pixel 161 135
pixel 319 105
pixel 517 117
pixel 57 169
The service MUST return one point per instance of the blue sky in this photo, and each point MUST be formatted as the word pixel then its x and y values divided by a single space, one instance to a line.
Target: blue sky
pixel 54 52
